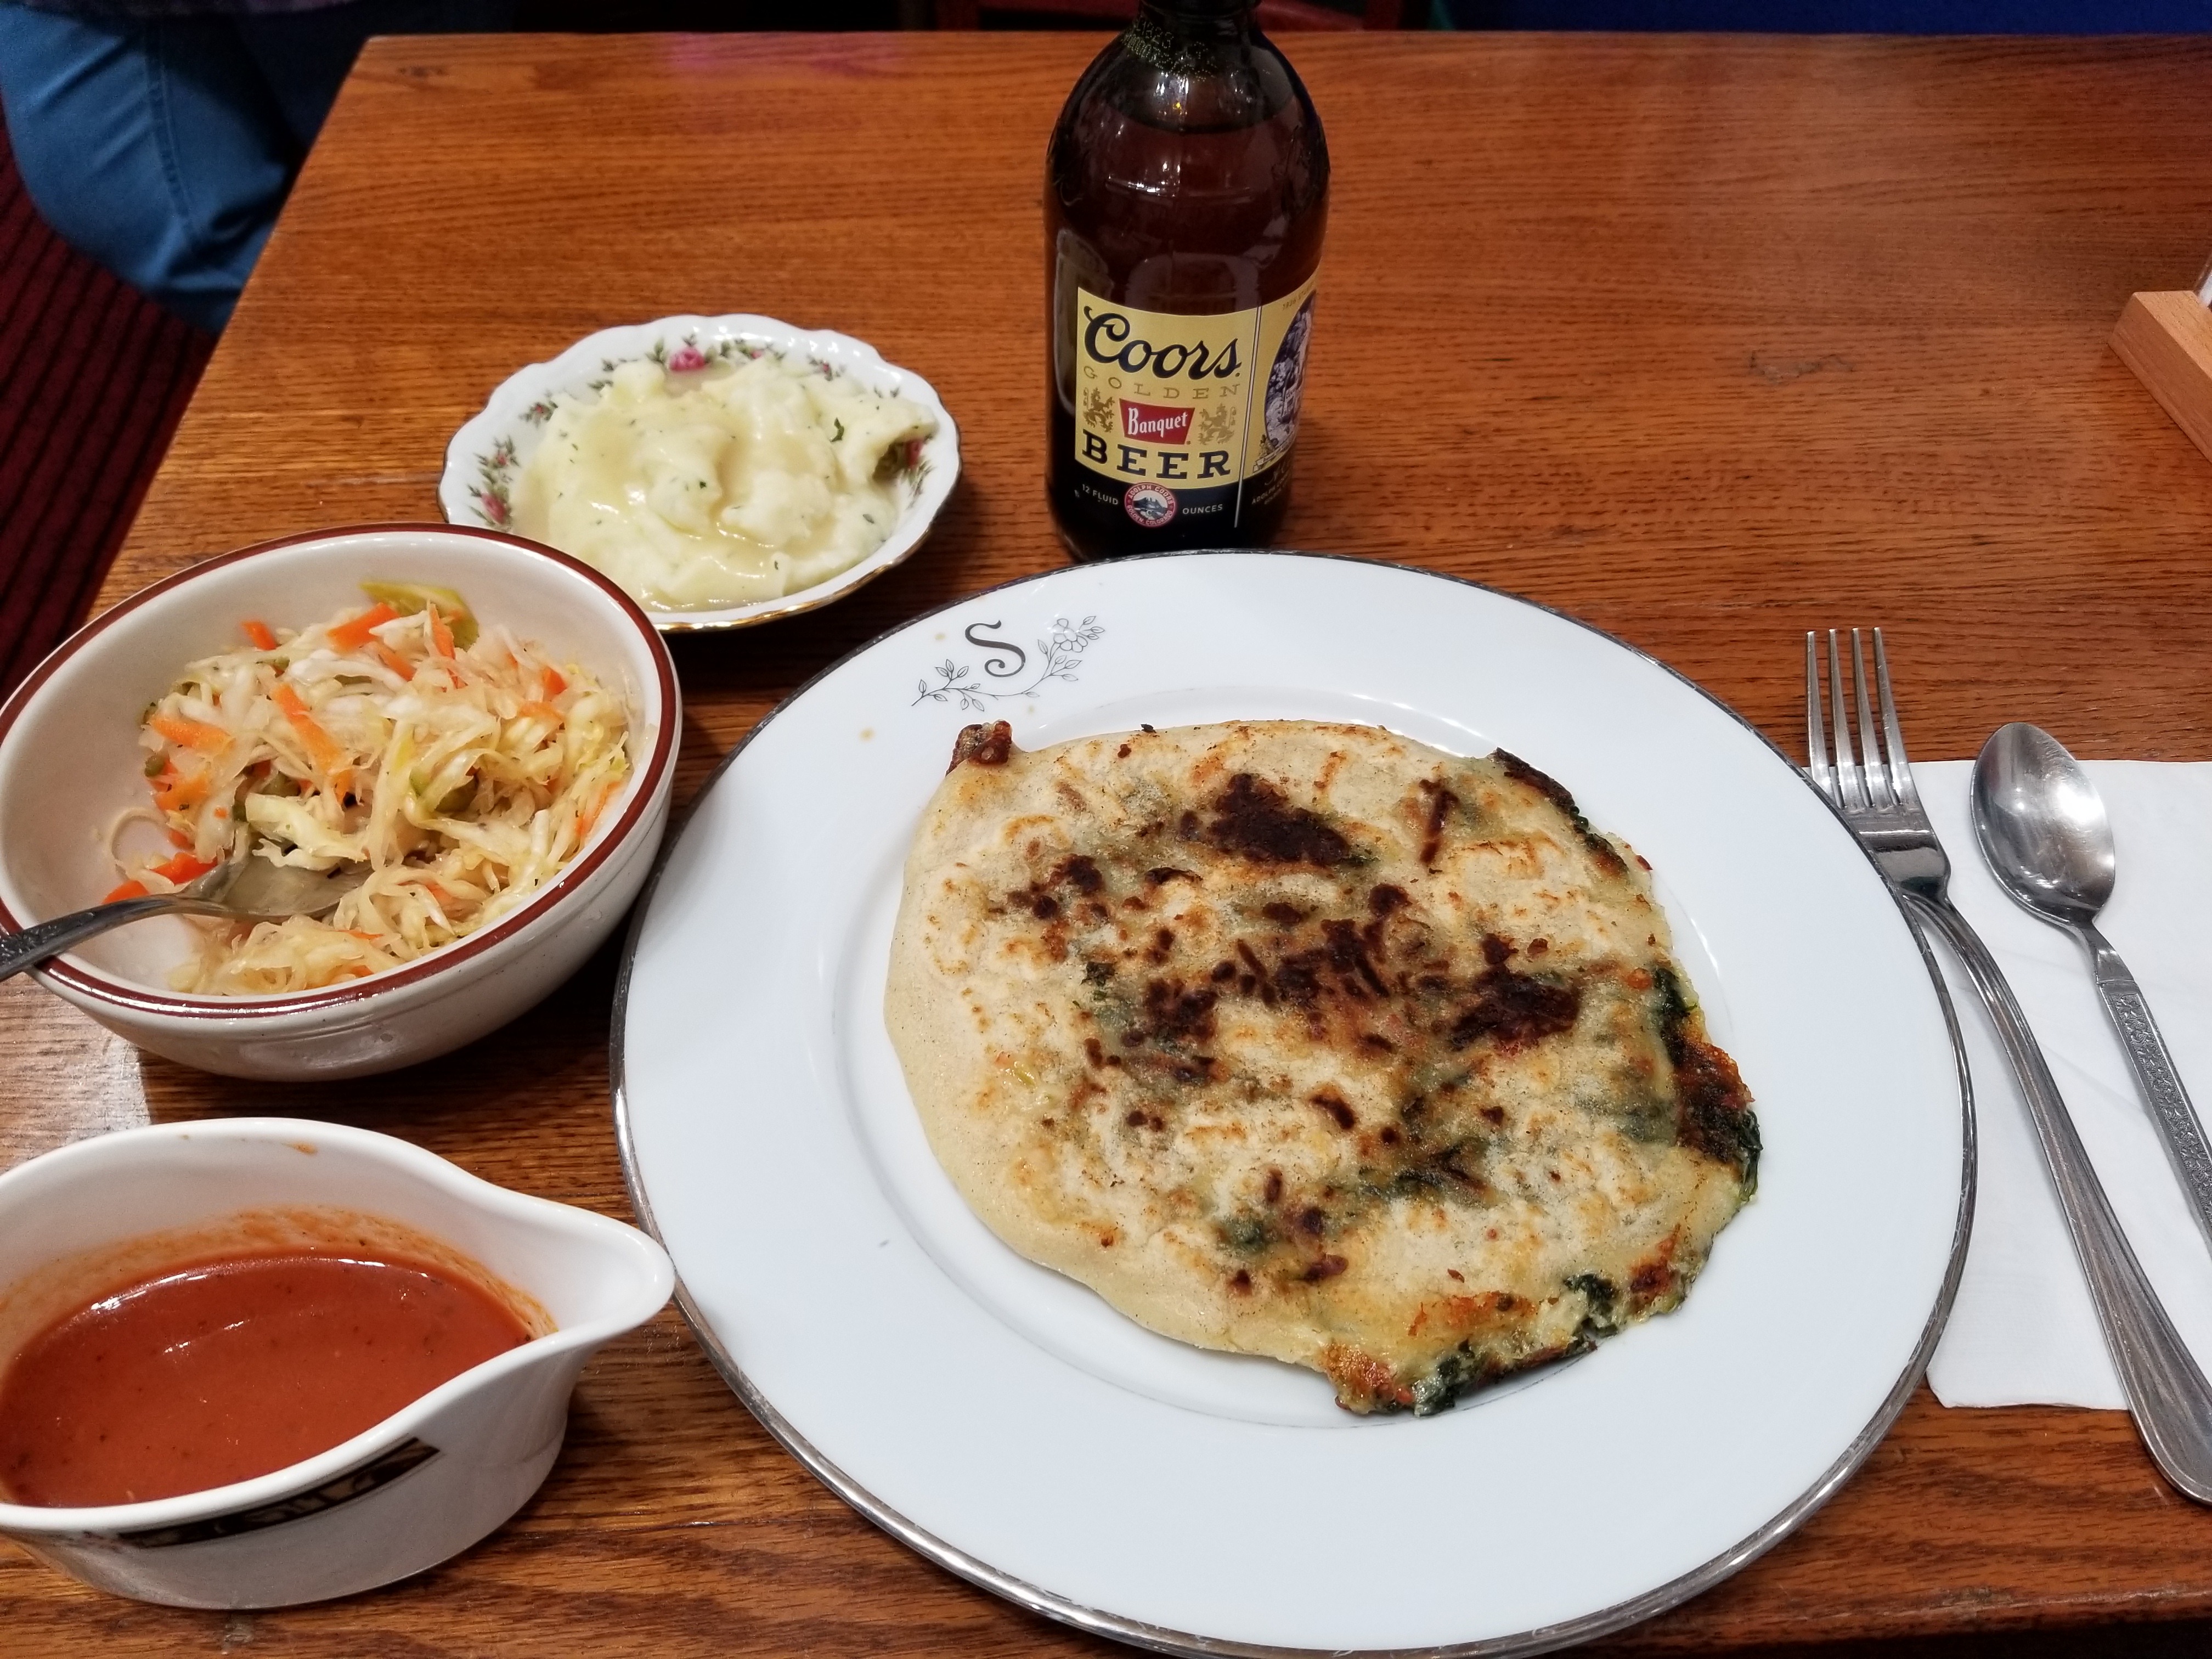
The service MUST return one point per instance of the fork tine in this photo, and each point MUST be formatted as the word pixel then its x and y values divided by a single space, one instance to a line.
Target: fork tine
pixel 1901 769
pixel 1879 796
pixel 1849 791
pixel 1816 740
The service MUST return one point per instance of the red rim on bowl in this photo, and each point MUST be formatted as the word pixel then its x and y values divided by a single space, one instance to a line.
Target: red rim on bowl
pixel 644 775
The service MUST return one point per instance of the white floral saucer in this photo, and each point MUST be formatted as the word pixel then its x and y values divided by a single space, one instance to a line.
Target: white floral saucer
pixel 483 458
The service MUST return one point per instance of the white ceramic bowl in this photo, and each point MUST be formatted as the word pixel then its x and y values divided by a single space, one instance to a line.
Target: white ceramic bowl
pixel 484 456
pixel 422 1484
pixel 69 764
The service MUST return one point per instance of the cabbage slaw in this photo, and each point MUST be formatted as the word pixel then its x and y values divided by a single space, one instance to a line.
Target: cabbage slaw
pixel 465 769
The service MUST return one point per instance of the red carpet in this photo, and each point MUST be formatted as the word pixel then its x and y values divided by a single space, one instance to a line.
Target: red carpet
pixel 92 380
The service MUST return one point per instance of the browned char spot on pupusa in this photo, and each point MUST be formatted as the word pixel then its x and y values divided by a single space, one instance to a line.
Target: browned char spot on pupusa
pixel 1364 1382
pixel 984 746
pixel 1175 1015
pixel 1337 1109
pixel 1654 1278
pixel 1255 818
pixel 1513 1010
pixel 1712 1108
pixel 1079 871
pixel 1441 802
pixel 1347 954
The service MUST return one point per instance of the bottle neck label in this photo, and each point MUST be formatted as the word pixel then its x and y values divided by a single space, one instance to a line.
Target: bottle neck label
pixel 1167 404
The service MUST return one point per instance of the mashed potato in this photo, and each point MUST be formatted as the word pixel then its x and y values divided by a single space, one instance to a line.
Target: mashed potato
pixel 722 487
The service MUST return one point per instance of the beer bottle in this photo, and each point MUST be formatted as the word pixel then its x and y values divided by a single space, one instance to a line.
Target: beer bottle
pixel 1185 192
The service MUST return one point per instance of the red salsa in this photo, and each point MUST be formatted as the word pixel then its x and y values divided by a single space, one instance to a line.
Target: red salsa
pixel 216 1372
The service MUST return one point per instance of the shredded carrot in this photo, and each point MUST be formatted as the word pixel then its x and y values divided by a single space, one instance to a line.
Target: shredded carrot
pixel 542 711
pixel 590 816
pixel 322 748
pixel 183 868
pixel 391 659
pixel 183 793
pixel 258 633
pixel 179 838
pixel 128 889
pixel 442 637
pixel 193 734
pixel 357 934
pixel 554 686
pixel 353 635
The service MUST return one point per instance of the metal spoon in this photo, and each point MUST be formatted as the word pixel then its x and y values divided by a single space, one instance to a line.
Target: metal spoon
pixel 2045 837
pixel 247 888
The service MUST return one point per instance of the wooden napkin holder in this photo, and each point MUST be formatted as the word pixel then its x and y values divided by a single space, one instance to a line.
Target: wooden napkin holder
pixel 2166 338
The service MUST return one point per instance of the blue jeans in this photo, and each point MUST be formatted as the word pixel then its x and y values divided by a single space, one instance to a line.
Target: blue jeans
pixel 163 147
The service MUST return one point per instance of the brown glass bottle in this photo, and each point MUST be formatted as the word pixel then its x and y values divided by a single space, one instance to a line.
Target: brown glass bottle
pixel 1186 193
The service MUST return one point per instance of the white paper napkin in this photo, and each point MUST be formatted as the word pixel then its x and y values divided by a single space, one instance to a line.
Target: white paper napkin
pixel 2022 1330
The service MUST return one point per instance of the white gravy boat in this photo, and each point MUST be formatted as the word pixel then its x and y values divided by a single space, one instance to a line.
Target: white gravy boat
pixel 422 1484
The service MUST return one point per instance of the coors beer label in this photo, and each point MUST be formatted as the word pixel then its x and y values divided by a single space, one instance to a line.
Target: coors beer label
pixel 1184 417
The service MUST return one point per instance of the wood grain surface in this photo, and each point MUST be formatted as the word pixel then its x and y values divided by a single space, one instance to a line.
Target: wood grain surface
pixel 1705 340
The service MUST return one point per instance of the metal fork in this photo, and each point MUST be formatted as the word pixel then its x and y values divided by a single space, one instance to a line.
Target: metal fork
pixel 1877 798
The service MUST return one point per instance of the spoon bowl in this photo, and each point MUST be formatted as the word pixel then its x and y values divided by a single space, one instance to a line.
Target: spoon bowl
pixel 2042 826
pixel 257 889
pixel 2046 839
pixel 246 889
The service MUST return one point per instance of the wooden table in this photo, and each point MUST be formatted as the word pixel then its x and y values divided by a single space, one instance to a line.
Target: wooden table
pixel 1705 340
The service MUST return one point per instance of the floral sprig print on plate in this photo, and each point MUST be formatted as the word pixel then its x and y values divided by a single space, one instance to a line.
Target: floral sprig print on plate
pixel 687 356
pixel 690 357
pixel 1056 657
pixel 914 469
pixel 494 484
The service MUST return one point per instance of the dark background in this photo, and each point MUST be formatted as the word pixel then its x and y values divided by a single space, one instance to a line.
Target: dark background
pixel 1792 17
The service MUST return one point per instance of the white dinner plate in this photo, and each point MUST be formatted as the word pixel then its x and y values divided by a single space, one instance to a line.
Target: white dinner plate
pixel 1005 1422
